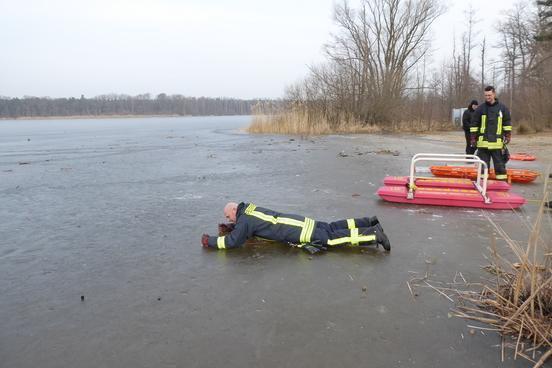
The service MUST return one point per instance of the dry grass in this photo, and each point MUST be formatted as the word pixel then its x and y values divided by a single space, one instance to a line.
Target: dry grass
pixel 301 123
pixel 517 301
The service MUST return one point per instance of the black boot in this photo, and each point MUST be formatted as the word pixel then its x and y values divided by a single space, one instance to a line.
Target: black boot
pixel 372 221
pixel 381 238
pixel 375 222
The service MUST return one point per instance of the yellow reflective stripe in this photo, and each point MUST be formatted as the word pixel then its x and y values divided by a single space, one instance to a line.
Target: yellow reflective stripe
pixel 338 241
pixel 264 217
pixel 502 176
pixel 495 145
pixel 277 220
pixel 354 236
pixel 481 143
pixel 473 129
pixel 220 243
pixel 499 127
pixel 507 128
pixel 354 239
pixel 307 231
pixel 289 221
pixel 483 123
pixel 490 145
pixel 351 223
pixel 250 209
pixel 366 238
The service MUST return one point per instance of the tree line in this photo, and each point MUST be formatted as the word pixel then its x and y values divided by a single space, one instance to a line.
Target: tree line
pixel 122 105
pixel 379 71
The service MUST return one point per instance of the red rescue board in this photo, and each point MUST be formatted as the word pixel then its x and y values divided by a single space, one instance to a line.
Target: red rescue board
pixel 452 197
pixel 460 183
pixel 514 175
pixel 522 156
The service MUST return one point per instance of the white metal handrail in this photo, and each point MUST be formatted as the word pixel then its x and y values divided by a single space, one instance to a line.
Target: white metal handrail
pixel 480 183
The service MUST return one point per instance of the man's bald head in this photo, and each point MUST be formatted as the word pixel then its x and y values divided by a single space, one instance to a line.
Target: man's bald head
pixel 230 211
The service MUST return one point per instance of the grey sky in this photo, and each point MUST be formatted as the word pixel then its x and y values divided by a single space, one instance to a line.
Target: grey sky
pixel 239 48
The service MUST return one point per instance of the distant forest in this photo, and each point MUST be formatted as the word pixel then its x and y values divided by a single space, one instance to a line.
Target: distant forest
pixel 122 105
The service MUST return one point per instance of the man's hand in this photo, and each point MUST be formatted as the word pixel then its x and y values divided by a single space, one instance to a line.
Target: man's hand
pixel 314 247
pixel 473 139
pixel 205 241
pixel 507 137
pixel 224 229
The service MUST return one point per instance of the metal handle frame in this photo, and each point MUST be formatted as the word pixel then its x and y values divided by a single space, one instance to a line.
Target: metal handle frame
pixel 480 183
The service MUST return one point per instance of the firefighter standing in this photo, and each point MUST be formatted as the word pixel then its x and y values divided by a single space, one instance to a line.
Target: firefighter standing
pixel 252 221
pixel 491 130
pixel 467 118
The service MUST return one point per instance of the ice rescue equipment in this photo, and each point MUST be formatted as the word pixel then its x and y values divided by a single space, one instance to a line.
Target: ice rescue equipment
pixel 514 175
pixel 459 183
pixel 480 193
pixel 522 156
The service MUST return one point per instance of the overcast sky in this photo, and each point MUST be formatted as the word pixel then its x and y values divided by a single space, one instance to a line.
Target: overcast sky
pixel 238 48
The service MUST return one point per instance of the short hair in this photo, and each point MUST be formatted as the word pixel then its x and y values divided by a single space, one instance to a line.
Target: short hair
pixel 489 88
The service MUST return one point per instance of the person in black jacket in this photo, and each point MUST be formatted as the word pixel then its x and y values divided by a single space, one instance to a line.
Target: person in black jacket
pixel 467 118
pixel 249 221
pixel 491 131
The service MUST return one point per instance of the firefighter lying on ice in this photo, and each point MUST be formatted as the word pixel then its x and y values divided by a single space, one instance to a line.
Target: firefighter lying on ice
pixel 248 220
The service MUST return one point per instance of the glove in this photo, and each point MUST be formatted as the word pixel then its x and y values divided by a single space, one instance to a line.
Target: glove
pixel 507 137
pixel 205 241
pixel 311 249
pixel 314 247
pixel 224 229
pixel 473 139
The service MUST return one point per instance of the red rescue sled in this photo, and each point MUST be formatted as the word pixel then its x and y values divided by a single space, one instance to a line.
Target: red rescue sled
pixel 522 156
pixel 459 183
pixel 514 175
pixel 481 193
pixel 498 200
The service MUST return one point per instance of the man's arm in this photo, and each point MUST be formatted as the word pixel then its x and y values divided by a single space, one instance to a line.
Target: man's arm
pixel 466 119
pixel 506 125
pixel 474 126
pixel 476 121
pixel 234 239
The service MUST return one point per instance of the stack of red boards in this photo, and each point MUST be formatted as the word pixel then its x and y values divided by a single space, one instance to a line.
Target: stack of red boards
pixel 445 183
pixel 522 156
pixel 455 197
pixel 514 175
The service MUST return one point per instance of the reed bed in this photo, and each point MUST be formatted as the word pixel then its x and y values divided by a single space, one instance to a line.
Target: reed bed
pixel 300 122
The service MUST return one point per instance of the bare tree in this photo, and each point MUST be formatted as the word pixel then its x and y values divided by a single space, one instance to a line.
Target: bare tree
pixel 483 49
pixel 377 49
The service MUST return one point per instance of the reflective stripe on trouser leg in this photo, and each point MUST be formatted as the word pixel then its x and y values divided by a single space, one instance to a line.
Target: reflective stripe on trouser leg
pixel 348 224
pixel 306 232
pixel 498 163
pixel 354 238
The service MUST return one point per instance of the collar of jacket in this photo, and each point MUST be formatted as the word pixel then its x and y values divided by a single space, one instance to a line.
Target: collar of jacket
pixel 495 103
pixel 241 209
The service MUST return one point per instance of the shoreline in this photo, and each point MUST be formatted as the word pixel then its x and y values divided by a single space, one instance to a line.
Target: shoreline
pixel 84 117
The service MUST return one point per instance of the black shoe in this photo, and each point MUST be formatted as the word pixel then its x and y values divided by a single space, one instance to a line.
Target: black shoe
pixel 381 238
pixel 375 222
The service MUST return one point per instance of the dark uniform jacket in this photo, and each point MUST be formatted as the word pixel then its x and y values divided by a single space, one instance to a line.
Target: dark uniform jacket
pixel 253 221
pixel 490 123
pixel 467 118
